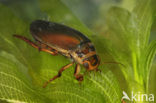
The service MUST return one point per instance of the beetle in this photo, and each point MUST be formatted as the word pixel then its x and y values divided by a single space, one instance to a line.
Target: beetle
pixel 56 38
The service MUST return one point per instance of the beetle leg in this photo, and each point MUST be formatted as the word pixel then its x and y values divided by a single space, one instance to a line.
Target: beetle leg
pixel 59 74
pixel 78 76
pixel 39 47
pixel 49 50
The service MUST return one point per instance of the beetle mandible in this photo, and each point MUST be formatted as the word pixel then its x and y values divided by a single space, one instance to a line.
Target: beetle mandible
pixel 56 38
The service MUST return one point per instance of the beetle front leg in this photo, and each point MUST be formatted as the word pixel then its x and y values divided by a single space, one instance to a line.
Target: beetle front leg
pixel 39 47
pixel 78 76
pixel 59 74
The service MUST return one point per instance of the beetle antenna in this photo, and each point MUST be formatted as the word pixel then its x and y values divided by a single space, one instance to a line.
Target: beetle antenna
pixel 113 63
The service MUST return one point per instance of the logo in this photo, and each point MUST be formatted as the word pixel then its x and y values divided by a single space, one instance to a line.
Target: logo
pixel 138 97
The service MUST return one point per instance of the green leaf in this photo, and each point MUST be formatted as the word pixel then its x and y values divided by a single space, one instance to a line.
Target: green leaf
pixel 150 54
pixel 122 34
pixel 128 36
pixel 15 83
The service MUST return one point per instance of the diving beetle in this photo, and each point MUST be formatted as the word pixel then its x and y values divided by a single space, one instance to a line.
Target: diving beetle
pixel 56 38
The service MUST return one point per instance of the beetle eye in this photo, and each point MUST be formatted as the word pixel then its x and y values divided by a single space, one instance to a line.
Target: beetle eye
pixel 86 65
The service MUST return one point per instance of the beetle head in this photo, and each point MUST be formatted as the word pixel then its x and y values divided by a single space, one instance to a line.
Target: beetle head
pixel 91 63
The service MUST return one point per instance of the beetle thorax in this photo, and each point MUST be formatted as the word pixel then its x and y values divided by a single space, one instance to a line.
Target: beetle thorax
pixel 82 52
